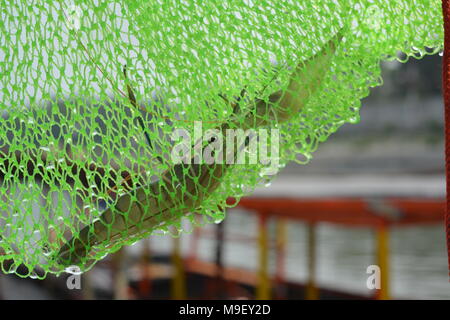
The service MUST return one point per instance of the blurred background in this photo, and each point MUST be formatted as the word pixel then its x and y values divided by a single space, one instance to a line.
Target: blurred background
pixel 372 195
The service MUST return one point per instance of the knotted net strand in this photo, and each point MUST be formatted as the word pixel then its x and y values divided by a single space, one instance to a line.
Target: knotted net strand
pixel 93 93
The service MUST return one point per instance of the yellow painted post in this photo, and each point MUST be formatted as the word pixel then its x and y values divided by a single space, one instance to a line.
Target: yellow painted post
pixel 312 292
pixel 281 241
pixel 383 261
pixel 263 287
pixel 179 279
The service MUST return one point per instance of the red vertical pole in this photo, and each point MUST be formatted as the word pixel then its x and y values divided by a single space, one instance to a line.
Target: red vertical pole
pixel 145 280
pixel 446 89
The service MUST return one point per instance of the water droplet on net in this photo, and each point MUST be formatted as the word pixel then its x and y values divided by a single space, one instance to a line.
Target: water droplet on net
pixel 73 270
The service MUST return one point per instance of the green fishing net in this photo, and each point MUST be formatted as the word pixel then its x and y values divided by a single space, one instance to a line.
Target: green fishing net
pixel 120 119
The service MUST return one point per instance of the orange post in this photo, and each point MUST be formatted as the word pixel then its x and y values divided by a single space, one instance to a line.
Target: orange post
pixel 179 279
pixel 281 241
pixel 263 288
pixel 312 293
pixel 383 261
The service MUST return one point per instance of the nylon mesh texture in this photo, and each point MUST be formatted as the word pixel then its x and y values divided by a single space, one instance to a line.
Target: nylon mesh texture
pixel 93 93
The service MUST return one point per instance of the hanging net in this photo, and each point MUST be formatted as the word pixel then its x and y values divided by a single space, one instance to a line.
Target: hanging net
pixel 122 119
